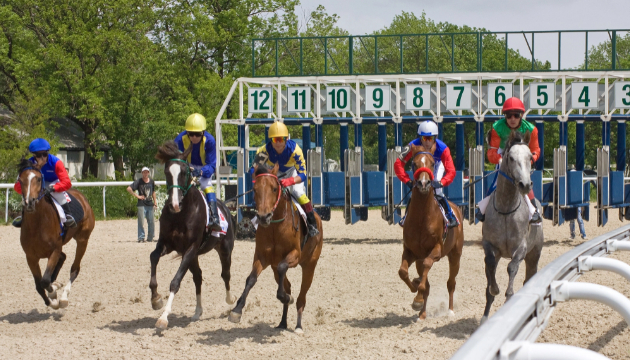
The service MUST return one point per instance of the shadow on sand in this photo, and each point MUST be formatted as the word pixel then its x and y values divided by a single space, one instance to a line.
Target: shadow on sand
pixel 260 333
pixel 458 330
pixel 132 326
pixel 389 320
pixel 32 316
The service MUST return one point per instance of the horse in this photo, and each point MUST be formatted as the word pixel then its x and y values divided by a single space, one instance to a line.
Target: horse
pixel 183 230
pixel 41 235
pixel 423 235
pixel 279 244
pixel 506 232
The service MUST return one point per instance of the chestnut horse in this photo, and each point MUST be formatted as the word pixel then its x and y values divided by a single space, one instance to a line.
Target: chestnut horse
pixel 40 234
pixel 279 244
pixel 423 232
pixel 183 230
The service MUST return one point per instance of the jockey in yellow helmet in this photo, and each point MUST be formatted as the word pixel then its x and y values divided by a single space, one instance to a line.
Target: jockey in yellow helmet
pixel 202 159
pixel 288 155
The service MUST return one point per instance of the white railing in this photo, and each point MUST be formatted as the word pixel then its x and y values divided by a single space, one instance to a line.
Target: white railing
pixel 511 332
pixel 104 184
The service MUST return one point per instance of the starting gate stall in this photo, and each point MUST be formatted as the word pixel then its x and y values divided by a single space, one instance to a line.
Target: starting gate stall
pixel 347 98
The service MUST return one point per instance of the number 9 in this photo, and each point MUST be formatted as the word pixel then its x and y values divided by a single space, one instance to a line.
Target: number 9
pixel 377 95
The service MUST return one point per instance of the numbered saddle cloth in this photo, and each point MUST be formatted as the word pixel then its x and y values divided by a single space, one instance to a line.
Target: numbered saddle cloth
pixel 222 221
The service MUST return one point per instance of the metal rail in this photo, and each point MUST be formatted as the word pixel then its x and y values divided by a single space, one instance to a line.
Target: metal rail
pixel 511 331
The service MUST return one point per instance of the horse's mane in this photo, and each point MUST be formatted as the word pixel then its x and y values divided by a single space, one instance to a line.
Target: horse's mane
pixel 169 151
pixel 517 137
pixel 23 164
pixel 262 169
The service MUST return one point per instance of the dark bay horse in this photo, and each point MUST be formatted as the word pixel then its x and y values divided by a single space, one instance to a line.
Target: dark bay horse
pixel 423 232
pixel 40 234
pixel 279 244
pixel 507 232
pixel 183 230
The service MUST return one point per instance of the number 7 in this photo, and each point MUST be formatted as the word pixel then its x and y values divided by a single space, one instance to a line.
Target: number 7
pixel 461 92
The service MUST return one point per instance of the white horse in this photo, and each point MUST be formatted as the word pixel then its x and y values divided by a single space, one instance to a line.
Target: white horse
pixel 507 232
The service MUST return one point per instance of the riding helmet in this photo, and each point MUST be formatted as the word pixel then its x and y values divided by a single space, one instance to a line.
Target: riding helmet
pixel 278 129
pixel 428 128
pixel 196 123
pixel 38 144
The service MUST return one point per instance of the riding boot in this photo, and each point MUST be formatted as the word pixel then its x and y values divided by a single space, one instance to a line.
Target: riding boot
pixel 17 222
pixel 312 224
pixel 452 221
pixel 536 218
pixel 70 223
pixel 479 216
pixel 215 223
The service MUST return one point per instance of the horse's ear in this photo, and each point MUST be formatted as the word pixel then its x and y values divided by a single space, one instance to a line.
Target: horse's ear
pixel 414 149
pixel 275 169
pixel 527 137
pixel 511 137
pixel 40 162
pixel 187 152
pixel 433 147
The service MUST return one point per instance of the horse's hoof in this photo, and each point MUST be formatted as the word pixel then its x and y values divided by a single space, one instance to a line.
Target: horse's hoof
pixel 291 301
pixel 417 306
pixel 57 285
pixel 234 317
pixel 230 299
pixel 197 316
pixel 451 314
pixel 52 295
pixel 299 331
pixel 54 304
pixel 161 324
pixel 494 290
pixel 157 304
pixel 483 320
pixel 63 303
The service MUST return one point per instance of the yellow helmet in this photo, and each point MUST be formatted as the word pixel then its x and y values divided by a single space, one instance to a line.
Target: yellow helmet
pixel 278 129
pixel 196 122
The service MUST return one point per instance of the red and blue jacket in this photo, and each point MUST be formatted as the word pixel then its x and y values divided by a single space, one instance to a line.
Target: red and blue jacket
pixel 203 153
pixel 53 170
pixel 442 154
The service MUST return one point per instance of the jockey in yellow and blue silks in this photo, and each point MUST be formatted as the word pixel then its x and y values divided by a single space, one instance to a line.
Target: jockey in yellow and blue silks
pixel 292 168
pixel 202 159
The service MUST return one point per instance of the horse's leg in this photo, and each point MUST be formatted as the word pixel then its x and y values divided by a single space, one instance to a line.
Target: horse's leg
pixel 453 267
pixel 512 268
pixel 188 257
pixel 308 271
pixel 492 289
pixel 408 258
pixel 237 312
pixel 285 307
pixel 420 301
pixel 54 286
pixel 53 259
pixel 531 262
pixel 225 255
pixel 290 261
pixel 74 270
pixel 195 270
pixel 156 298
pixel 33 264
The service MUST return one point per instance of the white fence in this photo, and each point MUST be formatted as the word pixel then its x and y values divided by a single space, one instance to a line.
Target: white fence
pixel 104 184
pixel 511 332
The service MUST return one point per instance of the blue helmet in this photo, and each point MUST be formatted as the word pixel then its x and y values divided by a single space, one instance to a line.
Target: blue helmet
pixel 39 144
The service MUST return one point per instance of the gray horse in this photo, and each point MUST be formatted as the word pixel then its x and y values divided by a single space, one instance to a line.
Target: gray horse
pixel 506 231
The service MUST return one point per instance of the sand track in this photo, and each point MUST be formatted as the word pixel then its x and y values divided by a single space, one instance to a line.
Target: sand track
pixel 357 307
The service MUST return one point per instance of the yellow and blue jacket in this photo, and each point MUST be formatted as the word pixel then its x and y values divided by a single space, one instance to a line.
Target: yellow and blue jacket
pixel 203 154
pixel 291 157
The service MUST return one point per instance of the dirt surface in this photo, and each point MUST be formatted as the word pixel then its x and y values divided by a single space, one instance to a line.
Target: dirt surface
pixel 357 307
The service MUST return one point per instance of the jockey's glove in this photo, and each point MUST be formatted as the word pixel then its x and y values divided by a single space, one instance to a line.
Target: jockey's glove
pixel 196 173
pixel 287 182
pixel 436 184
pixel 409 184
pixel 50 188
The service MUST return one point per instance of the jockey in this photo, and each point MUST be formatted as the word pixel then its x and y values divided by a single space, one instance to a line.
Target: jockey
pixel 513 109
pixel 202 159
pixel 444 169
pixel 56 179
pixel 288 155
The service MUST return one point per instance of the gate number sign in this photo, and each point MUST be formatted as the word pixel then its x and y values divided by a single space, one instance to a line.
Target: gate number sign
pixel 498 93
pixel 338 98
pixel 458 96
pixel 260 100
pixel 377 97
pixel 622 94
pixel 299 99
pixel 542 95
pixel 418 97
pixel 584 95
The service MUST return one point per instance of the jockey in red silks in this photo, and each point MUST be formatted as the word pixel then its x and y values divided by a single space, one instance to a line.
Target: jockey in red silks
pixel 56 179
pixel 443 171
pixel 513 109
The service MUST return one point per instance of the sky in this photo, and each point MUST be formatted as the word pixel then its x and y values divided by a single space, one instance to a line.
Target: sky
pixel 365 16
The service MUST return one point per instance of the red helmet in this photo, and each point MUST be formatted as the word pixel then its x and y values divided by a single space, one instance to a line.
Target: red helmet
pixel 513 103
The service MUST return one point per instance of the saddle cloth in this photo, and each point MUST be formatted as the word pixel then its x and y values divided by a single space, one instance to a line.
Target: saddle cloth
pixel 295 205
pixel 75 208
pixel 222 220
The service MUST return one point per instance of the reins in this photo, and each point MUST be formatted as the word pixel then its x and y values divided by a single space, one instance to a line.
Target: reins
pixel 42 193
pixel 188 179
pixel 278 199
pixel 511 180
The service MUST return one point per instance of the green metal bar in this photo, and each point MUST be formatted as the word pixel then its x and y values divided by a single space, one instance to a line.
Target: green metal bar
pixel 301 58
pixel 614 49
pixel 559 49
pixel 253 58
pixel 452 53
pixel 351 49
pixel 586 53
pixel 478 48
pixel 426 53
pixel 276 57
pixel 401 56
pixel 533 58
pixel 325 56
pixel 376 55
pixel 506 51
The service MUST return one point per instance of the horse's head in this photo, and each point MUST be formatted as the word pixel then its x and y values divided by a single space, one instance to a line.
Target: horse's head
pixel 177 172
pixel 267 191
pixel 517 161
pixel 423 164
pixel 31 181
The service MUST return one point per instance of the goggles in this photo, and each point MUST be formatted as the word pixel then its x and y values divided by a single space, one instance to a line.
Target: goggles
pixel 194 134
pixel 279 139
pixel 516 115
pixel 40 155
pixel 428 138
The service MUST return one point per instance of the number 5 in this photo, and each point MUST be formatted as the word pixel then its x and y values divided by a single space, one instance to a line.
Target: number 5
pixel 540 93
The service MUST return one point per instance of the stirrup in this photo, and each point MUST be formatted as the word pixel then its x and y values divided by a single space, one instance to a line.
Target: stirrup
pixel 17 222
pixel 70 222
pixel 536 219
pixel 479 216
pixel 452 222
pixel 401 223
pixel 312 231
pixel 215 224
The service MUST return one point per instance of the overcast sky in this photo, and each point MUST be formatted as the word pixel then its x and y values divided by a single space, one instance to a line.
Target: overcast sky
pixel 365 16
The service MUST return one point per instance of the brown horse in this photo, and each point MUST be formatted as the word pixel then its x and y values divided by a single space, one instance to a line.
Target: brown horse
pixel 183 230
pixel 423 232
pixel 279 244
pixel 40 234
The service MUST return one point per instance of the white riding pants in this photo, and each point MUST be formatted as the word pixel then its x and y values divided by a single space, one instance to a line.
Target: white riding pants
pixel 438 173
pixel 60 197
pixel 296 190
pixel 204 182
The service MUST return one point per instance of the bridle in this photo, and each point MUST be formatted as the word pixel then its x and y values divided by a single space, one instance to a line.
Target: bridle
pixel 188 178
pixel 505 175
pixel 42 193
pixel 511 180
pixel 279 194
pixel 417 172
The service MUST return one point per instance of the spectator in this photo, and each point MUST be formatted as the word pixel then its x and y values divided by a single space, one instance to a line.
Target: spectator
pixel 579 219
pixel 146 203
